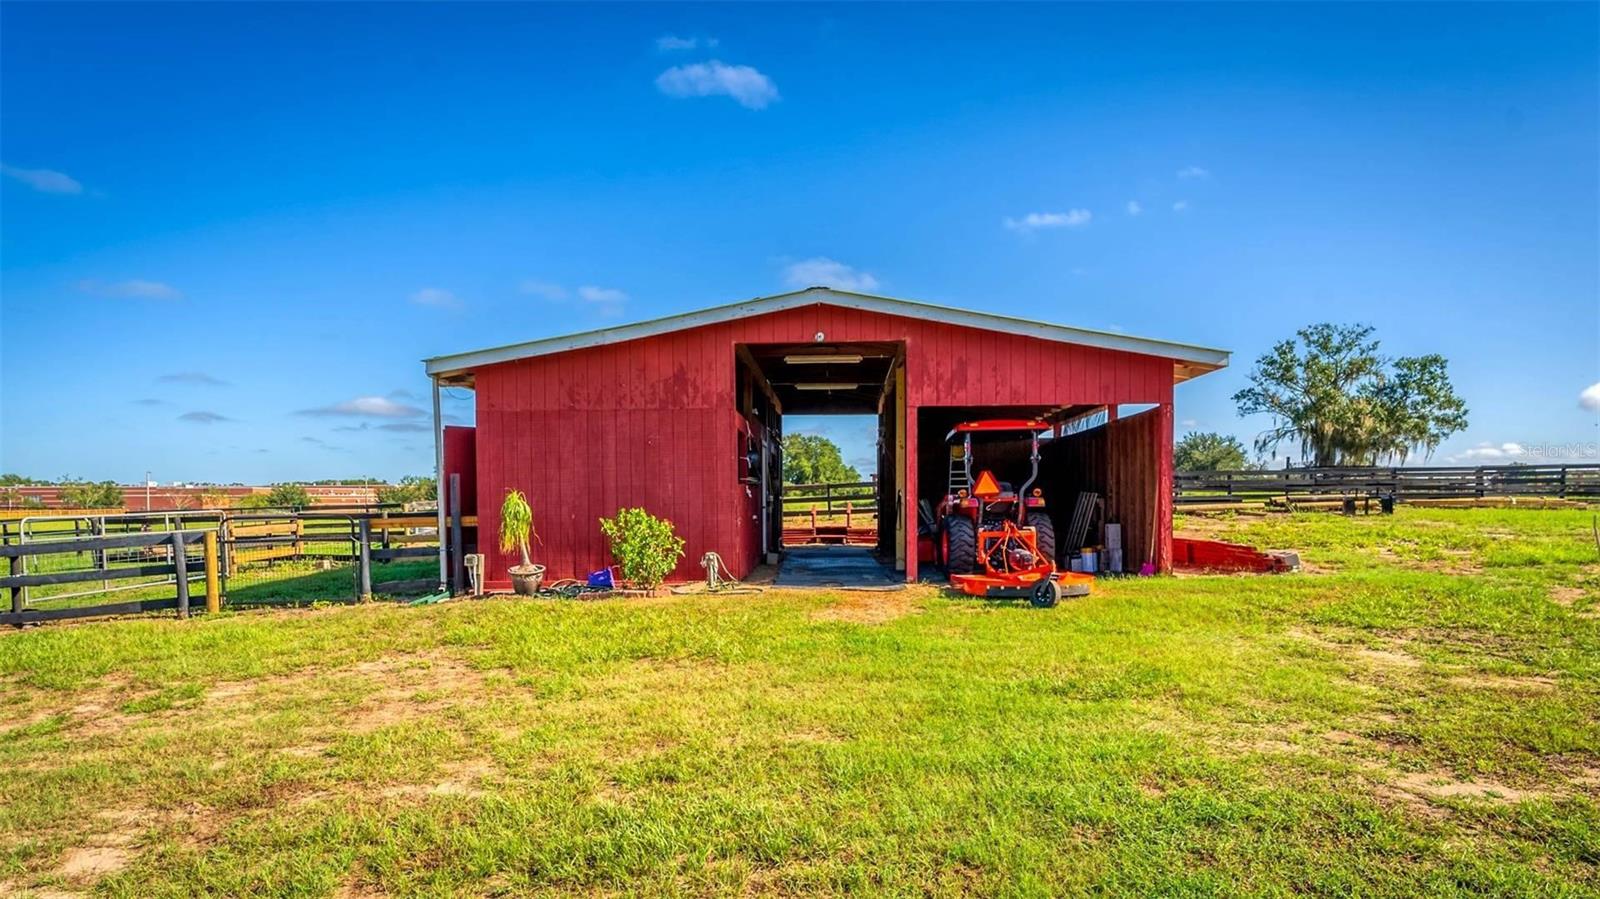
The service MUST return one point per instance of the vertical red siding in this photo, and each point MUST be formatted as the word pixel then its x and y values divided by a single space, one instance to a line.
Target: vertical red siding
pixel 654 422
pixel 461 457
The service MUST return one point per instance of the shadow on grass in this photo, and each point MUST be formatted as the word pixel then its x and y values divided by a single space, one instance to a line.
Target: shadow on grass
pixel 282 586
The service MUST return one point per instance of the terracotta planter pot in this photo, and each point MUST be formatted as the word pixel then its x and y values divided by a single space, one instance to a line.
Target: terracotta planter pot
pixel 525 580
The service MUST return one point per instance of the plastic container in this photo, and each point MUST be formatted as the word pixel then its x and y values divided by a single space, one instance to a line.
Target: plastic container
pixel 1091 560
pixel 1113 536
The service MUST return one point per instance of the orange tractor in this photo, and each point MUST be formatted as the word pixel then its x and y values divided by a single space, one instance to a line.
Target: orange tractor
pixel 994 540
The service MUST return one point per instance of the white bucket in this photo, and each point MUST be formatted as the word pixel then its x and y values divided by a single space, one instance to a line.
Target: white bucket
pixel 1091 560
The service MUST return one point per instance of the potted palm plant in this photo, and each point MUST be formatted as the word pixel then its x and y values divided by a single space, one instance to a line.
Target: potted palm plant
pixel 516 526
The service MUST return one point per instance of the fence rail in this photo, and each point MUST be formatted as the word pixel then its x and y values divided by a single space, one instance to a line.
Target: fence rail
pixel 172 545
pixel 830 499
pixel 1475 482
pixel 70 565
pixel 830 513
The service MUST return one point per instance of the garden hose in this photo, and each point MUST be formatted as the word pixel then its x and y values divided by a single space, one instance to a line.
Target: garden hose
pixel 719 579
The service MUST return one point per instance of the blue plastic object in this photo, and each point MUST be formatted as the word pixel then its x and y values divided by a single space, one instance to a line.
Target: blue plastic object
pixel 601 579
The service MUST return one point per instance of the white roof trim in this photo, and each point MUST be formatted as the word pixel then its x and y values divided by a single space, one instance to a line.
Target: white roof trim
pixel 1197 356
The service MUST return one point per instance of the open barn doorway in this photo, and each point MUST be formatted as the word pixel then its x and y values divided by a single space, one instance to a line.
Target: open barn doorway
pixel 830 473
pixel 1096 482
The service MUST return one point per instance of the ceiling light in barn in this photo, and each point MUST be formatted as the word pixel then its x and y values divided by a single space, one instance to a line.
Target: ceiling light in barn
pixel 830 386
pixel 842 359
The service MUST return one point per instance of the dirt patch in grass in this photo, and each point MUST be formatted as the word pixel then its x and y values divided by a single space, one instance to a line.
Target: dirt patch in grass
pixel 463 778
pixel 866 608
pixel 1523 684
pixel 92 862
pixel 1565 595
pixel 1370 656
pixel 1434 786
pixel 411 686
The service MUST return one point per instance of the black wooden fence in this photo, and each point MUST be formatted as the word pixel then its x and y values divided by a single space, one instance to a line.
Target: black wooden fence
pixel 1402 483
pixel 165 553
pixel 77 566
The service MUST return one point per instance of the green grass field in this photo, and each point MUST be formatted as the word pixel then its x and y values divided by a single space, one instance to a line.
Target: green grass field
pixel 1418 713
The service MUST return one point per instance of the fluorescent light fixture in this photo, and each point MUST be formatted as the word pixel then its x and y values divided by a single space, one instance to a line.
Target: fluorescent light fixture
pixel 841 359
pixel 829 386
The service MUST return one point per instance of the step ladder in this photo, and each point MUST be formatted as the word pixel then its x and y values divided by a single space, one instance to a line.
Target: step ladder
pixel 958 470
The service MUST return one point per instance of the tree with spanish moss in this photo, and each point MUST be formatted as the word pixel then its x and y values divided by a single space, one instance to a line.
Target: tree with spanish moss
pixel 1332 391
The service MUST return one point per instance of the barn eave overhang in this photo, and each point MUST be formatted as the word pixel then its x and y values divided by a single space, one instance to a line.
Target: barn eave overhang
pixel 1188 360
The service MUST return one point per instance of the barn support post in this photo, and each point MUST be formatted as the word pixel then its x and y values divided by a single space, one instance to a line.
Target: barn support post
pixel 438 485
pixel 1163 553
pixel 908 498
pixel 457 563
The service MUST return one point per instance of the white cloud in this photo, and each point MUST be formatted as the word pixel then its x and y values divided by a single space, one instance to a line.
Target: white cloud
pixel 1193 171
pixel 365 407
pixel 747 86
pixel 437 297
pixel 608 300
pixel 45 181
pixel 133 289
pixel 543 289
pixel 1590 398
pixel 1181 206
pixel 1033 221
pixel 1493 452
pixel 669 42
pixel 591 294
pixel 1134 208
pixel 820 271
pixel 1189 423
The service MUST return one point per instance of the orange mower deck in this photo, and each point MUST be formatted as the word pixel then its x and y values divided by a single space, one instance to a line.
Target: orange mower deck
pixel 1071 583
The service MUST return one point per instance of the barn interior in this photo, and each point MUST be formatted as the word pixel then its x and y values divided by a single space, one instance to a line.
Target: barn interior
pixel 1103 458
pixel 847 379
pixel 1094 457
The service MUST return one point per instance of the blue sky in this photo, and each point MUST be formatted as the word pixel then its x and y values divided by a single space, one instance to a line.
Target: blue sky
pixel 230 232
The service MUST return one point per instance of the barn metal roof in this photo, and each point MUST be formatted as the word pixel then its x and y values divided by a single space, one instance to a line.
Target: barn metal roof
pixel 1189 360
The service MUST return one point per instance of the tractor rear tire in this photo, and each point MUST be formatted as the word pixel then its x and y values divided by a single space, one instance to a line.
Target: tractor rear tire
pixel 961 545
pixel 1044 534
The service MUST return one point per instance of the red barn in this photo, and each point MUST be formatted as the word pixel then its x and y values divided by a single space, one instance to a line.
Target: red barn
pixel 683 416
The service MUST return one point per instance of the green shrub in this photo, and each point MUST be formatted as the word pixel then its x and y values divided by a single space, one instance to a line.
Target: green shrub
pixel 645 547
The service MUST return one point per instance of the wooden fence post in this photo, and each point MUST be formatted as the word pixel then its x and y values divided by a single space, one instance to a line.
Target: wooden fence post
pixel 364 560
pixel 213 584
pixel 180 570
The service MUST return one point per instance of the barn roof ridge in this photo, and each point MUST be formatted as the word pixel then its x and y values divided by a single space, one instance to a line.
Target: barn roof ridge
pixel 1198 357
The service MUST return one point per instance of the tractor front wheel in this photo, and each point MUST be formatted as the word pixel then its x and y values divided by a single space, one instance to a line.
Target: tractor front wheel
pixel 1044 534
pixel 1046 594
pixel 960 545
